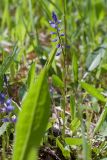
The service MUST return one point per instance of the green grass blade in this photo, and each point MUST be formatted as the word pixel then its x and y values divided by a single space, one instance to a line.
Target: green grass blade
pixel 51 58
pixel 72 107
pixel 75 67
pixel 31 75
pixel 86 144
pixel 101 120
pixel 32 120
pixel 8 60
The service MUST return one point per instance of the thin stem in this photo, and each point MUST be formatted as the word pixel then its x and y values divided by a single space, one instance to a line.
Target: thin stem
pixel 3 148
pixel 65 24
pixel 65 28
pixel 64 68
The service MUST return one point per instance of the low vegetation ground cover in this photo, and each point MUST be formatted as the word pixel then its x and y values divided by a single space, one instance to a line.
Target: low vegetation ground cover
pixel 53 80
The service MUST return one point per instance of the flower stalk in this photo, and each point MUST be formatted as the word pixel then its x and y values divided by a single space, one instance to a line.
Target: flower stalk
pixel 62 45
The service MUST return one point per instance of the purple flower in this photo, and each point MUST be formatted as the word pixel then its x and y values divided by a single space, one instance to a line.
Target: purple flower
pixel 3 110
pixel 60 42
pixel 54 16
pixel 5 119
pixel 53 25
pixel 52 32
pixel 9 108
pixel 2 98
pixel 58 53
pixel 55 40
pixel 58 45
pixel 13 119
pixel 8 102
pixel 52 91
pixel 59 21
pixel 62 34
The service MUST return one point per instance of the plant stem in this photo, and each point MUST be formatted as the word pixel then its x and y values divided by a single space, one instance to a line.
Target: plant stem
pixel 3 148
pixel 64 67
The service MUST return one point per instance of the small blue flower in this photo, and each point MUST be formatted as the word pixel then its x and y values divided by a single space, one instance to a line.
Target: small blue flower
pixel 54 16
pixel 54 40
pixel 53 25
pixel 2 98
pixel 59 39
pixel 13 119
pixel 8 102
pixel 58 45
pixel 5 119
pixel 62 34
pixel 52 91
pixel 9 108
pixel 59 29
pixel 58 53
pixel 53 33
pixel 3 110
pixel 59 21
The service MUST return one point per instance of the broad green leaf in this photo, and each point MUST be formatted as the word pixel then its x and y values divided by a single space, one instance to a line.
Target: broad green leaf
pixel 93 91
pixel 101 120
pixel 73 141
pixel 32 120
pixel 57 82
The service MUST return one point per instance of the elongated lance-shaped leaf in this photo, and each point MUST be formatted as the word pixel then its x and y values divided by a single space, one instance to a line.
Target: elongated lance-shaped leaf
pixel 32 120
pixel 93 91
